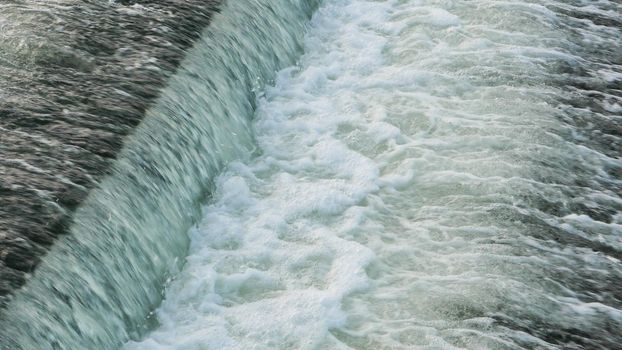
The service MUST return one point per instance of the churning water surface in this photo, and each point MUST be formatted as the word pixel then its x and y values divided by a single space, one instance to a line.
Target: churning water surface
pixel 431 175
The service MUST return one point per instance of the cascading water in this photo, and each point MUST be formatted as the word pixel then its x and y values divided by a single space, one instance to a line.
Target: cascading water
pixel 431 174
pixel 424 181
pixel 96 286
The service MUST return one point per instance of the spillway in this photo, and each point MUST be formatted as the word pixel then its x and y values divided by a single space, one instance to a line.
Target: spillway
pixel 354 174
pixel 97 284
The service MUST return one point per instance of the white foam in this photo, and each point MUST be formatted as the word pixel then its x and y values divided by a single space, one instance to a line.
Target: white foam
pixel 374 216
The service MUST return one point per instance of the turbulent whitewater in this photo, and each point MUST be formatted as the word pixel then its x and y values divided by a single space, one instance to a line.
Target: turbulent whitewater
pixel 114 252
pixel 434 175
pixel 389 174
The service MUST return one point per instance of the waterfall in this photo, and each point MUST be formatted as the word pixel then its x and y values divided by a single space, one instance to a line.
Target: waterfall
pixel 97 285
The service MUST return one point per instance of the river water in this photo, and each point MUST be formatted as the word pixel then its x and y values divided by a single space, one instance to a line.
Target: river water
pixel 429 175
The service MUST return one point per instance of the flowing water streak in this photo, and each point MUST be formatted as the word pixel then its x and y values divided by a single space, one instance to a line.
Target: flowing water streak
pixel 76 79
pixel 96 286
pixel 431 177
